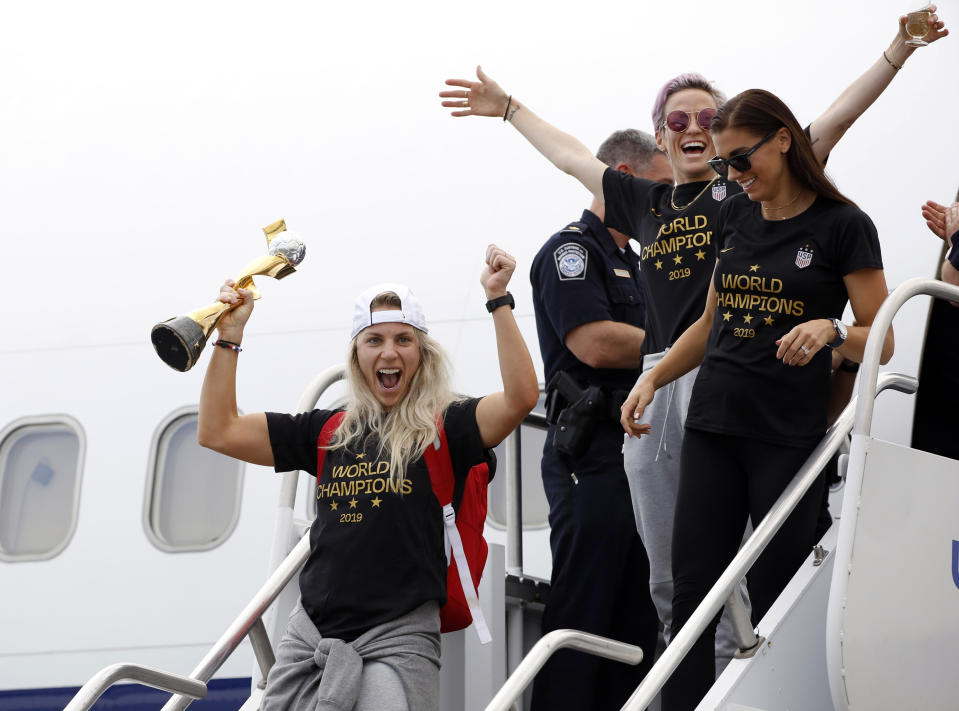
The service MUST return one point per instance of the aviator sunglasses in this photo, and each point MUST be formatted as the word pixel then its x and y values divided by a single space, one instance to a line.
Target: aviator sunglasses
pixel 739 161
pixel 678 121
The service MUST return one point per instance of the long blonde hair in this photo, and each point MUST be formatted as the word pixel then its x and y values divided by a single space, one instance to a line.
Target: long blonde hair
pixel 405 431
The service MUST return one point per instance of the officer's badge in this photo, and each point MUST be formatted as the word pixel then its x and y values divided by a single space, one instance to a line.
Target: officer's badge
pixel 571 261
pixel 719 192
pixel 804 256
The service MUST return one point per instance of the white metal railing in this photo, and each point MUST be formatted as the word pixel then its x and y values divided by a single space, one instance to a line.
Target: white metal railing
pixel 870 363
pixel 249 622
pixel 681 643
pixel 115 673
pixel 546 647
pixel 525 670
pixel 187 689
pixel 857 417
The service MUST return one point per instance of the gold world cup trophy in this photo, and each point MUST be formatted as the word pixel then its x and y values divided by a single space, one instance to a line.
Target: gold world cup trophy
pixel 179 340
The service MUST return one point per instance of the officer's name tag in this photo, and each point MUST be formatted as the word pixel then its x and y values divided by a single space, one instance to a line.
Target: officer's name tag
pixel 622 273
pixel 571 261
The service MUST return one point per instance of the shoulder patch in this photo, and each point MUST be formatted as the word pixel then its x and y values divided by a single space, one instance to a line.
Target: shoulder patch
pixel 571 261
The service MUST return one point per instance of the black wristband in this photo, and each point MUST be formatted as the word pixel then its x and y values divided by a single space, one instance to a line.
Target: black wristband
pixel 849 366
pixel 505 300
pixel 953 255
pixel 235 347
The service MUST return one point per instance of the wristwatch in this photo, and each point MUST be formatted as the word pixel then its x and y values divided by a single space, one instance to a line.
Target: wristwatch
pixel 841 333
pixel 505 300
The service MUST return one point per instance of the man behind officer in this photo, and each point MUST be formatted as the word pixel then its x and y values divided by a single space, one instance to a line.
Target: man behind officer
pixel 589 301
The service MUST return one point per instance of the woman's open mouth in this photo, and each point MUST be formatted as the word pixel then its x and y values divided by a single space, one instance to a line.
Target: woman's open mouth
pixel 389 378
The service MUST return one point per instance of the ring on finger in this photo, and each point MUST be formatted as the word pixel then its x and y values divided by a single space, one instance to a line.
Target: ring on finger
pixel 804 350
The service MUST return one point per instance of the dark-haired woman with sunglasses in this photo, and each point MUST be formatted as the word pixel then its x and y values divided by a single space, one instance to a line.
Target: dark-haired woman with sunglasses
pixel 792 251
pixel 675 226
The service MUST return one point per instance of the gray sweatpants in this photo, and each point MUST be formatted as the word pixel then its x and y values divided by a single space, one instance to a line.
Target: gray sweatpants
pixel 652 469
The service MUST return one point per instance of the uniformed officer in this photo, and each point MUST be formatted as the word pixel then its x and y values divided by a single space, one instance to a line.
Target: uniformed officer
pixel 589 301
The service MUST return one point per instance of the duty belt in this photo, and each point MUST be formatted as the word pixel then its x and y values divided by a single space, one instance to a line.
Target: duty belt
pixel 597 402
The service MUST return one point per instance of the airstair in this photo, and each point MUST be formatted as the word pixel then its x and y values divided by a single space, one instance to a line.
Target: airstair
pixel 870 621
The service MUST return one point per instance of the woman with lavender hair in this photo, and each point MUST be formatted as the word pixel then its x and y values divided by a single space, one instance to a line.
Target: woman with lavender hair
pixel 675 227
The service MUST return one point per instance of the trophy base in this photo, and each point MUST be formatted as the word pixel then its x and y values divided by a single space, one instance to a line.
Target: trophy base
pixel 178 341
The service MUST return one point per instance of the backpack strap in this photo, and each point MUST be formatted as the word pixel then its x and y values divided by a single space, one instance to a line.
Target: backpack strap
pixel 440 466
pixel 323 441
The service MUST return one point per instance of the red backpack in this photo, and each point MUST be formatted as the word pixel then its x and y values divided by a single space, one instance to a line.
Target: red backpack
pixel 463 531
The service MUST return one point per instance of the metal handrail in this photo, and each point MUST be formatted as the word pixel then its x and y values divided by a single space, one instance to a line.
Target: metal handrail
pixel 314 391
pixel 514 503
pixel 857 418
pixel 247 620
pixel 108 676
pixel 514 493
pixel 520 677
pixel 877 334
pixel 249 623
pixel 683 641
pixel 187 689
pixel 549 645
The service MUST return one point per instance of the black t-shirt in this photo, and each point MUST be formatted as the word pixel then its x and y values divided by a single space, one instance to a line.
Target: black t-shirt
pixel 677 247
pixel 579 276
pixel 376 552
pixel 770 277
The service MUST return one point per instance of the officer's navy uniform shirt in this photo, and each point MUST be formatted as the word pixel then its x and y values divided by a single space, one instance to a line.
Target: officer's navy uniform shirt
pixel 579 276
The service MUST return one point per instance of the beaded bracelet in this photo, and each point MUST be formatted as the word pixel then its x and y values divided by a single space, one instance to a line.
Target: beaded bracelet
pixel 228 344
pixel 897 67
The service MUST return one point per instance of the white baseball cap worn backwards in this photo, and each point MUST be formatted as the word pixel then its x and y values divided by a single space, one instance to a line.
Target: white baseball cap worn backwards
pixel 410 311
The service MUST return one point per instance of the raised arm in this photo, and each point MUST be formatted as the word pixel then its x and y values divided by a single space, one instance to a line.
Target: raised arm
pixel 220 427
pixel 500 413
pixel 688 352
pixel 486 98
pixel 826 130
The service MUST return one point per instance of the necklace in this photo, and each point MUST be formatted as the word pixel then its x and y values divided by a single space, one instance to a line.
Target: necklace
pixel 781 207
pixel 672 195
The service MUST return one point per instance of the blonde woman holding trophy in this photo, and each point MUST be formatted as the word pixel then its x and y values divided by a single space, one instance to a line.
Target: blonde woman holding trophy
pixel 366 634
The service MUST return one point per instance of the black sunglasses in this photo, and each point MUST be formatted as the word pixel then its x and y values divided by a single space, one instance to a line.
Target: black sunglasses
pixel 739 161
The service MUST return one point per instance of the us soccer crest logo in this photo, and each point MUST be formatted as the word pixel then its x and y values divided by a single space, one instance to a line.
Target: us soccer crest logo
pixel 719 192
pixel 804 257
pixel 571 261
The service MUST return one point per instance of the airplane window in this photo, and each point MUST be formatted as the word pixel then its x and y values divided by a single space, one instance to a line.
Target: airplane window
pixel 535 506
pixel 41 460
pixel 193 493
